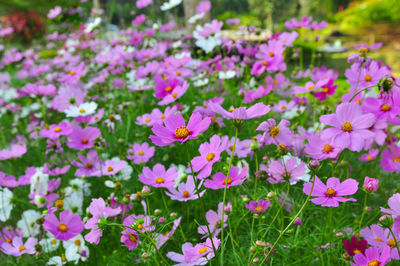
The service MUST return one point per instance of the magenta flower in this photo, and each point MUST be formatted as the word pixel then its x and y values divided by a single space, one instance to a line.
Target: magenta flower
pixel 144 225
pixel 372 257
pixel 140 153
pixel 89 165
pixel 330 195
pixel 16 151
pixel 219 180
pixel 321 149
pixel 370 184
pixel 112 167
pixel 130 238
pixel 143 3
pixel 158 177
pixel 98 210
pixel 56 130
pixel 276 134
pixel 66 228
pixel 241 113
pixel 17 247
pixel 81 139
pixel 391 159
pixel 186 191
pixel 350 127
pixel 176 130
pixel 210 154
pixel 195 255
pixel 261 205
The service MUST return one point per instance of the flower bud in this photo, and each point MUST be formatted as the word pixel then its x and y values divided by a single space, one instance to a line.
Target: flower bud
pixel 261 243
pixel 270 195
pixel 368 209
pixel 297 221
pixel 145 190
pixel 371 184
pixel 161 220
pixel 313 164
pixel 172 215
pixel 346 256
pixel 253 249
pixel 145 255
pixel 386 221
pixel 339 234
pixel 157 211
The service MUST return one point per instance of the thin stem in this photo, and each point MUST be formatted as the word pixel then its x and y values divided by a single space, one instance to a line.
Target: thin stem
pixel 291 222
pixel 358 92
pixel 395 240
pixel 224 197
pixel 363 212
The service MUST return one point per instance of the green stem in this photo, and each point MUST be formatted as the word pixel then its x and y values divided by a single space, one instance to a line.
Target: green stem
pixel 395 240
pixel 224 197
pixel 363 212
pixel 358 92
pixel 291 222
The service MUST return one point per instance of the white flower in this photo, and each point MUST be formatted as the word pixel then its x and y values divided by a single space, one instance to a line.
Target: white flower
pixel 170 4
pixel 208 44
pixel 8 95
pixel 293 112
pixel 56 260
pixel 200 82
pixel 49 244
pixel 82 110
pixel 5 204
pixel 73 200
pixel 226 74
pixel 28 223
pixel 75 249
pixel 183 172
pixel 39 182
pixel 196 17
pixel 92 25
pixel 79 184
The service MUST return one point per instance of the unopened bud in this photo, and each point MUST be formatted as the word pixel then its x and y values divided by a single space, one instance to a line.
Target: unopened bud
pixel 313 164
pixel 157 211
pixel 339 234
pixel 270 195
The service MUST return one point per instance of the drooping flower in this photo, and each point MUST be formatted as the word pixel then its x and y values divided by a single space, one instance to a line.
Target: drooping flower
pixel 68 226
pixel 210 154
pixel 219 180
pixel 158 177
pixel 330 195
pixel 176 130
pixel 350 127
pixel 260 206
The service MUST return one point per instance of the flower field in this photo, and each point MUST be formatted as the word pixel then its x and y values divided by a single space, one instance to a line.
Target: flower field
pixel 152 150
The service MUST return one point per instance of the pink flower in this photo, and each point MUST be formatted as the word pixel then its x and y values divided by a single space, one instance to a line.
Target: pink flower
pixel 158 177
pixel 98 210
pixel 276 134
pixel 210 154
pixel 391 159
pixel 371 184
pixel 369 156
pixel 197 255
pixel 330 195
pixel 241 113
pixel 176 130
pixel 17 150
pixel 287 169
pixel 53 13
pixel 162 238
pixel 261 205
pixel 112 167
pixel 66 228
pixel 350 127
pixel 89 165
pixel 219 180
pixel 321 149
pixel 372 257
pixel 140 153
pixel 186 191
pixel 81 139
pixel 56 130
pixel 394 204
pixel 143 3
pixel 17 247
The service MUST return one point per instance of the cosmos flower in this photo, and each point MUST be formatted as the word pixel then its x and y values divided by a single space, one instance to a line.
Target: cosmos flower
pixel 17 247
pixel 185 191
pixel 176 129
pixel 330 195
pixel 219 180
pixel 372 257
pixel 68 226
pixel 83 138
pixel 260 206
pixel 140 153
pixel 354 246
pixel 241 113
pixel 158 177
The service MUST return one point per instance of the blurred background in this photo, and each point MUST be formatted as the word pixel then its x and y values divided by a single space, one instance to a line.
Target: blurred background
pixel 350 22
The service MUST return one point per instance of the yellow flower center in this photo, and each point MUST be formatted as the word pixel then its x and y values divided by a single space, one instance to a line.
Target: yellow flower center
pixel 378 239
pixel 274 131
pixel 77 242
pixel 356 251
pixel 57 129
pixel 229 181
pixel 210 156
pixel 182 132
pixel 147 120
pixel 310 88
pixel 72 73
pixel 258 208
pixel 82 111
pixel 385 107
pixel 54 241
pixel 85 141
pixel 373 263
pixel 369 158
pixel 178 73
pixel 363 50
pixel 8 240
pixel 140 226
pixel 264 63
pixel 59 204
pixel 62 227
pixel 202 250
pixel 186 194
pixel 89 166
pixel 275 82
pixel 141 152
pixel 328 148
pixel 168 89
pixel 396 159
pixel 132 238
pixel 110 169
pixel 271 54
pixel 63 258
pixel 330 192
pixel 162 116
pixel 347 126
pixel 367 78
pixel 325 90
pixel 159 180
pixel 283 107
pixel 174 95
pixel 392 243
pixel 22 248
